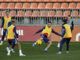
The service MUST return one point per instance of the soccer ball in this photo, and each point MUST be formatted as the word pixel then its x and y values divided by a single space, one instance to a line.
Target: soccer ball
pixel 39 42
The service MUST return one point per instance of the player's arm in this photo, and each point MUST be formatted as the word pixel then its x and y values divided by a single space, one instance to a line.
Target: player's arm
pixel 40 30
pixel 72 27
pixel 56 33
pixel 63 31
pixel 15 32
pixel 2 23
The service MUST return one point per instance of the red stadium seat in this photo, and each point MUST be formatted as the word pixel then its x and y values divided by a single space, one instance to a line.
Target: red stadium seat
pixel 74 13
pixel 68 0
pixel 28 13
pixel 72 5
pixel 45 0
pixel 60 0
pixel 15 0
pixel 26 5
pixel 20 14
pixel 3 13
pixel 35 13
pixel 18 5
pixel 41 5
pixel 3 5
pixel 56 5
pixel 66 13
pixel 33 5
pixel 78 6
pixel 64 5
pixel 76 0
pixel 59 13
pixel 49 5
pixel 53 0
pixel 51 13
pixel 12 13
pixel 23 0
pixel 43 13
pixel 11 5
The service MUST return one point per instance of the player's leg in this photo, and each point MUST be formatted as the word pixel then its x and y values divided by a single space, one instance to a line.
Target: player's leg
pixel 48 45
pixel 20 49
pixel 67 42
pixel 61 45
pixel 3 36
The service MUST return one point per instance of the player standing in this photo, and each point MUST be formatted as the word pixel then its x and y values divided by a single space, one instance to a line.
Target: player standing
pixel 12 37
pixel 45 34
pixel 5 21
pixel 66 36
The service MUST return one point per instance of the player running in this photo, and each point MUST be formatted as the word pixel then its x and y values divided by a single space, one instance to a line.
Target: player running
pixel 5 21
pixel 66 36
pixel 12 38
pixel 45 34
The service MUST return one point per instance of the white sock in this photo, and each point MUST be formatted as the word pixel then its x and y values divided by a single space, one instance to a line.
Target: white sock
pixel 20 52
pixel 9 51
pixel 45 48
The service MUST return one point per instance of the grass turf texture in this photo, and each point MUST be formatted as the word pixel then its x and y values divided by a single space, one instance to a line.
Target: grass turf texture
pixel 37 53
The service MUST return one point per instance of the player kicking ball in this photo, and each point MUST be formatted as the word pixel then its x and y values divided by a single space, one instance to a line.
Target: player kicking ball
pixel 66 36
pixel 11 34
pixel 45 34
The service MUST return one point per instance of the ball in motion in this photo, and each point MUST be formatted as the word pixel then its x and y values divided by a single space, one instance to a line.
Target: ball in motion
pixel 39 42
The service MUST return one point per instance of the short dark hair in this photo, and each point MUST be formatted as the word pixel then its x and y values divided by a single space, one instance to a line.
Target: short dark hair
pixel 65 20
pixel 69 15
pixel 13 22
pixel 49 22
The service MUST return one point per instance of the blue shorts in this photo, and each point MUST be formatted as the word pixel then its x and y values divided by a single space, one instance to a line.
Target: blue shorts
pixel 44 38
pixel 11 41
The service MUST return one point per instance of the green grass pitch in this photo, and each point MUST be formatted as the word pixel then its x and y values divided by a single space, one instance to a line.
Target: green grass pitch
pixel 37 53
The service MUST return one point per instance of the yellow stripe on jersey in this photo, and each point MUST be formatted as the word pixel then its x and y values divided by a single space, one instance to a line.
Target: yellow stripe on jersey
pixel 47 30
pixel 6 20
pixel 10 33
pixel 68 31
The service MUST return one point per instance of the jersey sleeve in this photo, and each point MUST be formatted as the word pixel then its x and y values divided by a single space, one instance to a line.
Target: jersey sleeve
pixel 14 30
pixel 56 33
pixel 2 22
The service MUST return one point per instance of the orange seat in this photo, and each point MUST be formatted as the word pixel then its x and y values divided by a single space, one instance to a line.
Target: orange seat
pixel 33 5
pixel 45 0
pixel 72 5
pixel 74 13
pixel 35 13
pixel 41 5
pixel 68 0
pixel 49 5
pixel 43 13
pixel 3 13
pixel 76 0
pixel 3 5
pixel 12 13
pixel 28 13
pixel 15 0
pixel 7 0
pixel 64 5
pixel 59 13
pixel 20 13
pixel 53 0
pixel 11 5
pixel 26 5
pixel 51 13
pixel 23 0
pixel 66 13
pixel 18 5
pixel 1 0
pixel 56 5
pixel 30 0
pixel 60 0
pixel 78 6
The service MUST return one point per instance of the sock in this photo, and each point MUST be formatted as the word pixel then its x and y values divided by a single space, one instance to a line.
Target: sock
pixel 20 52
pixel 46 49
